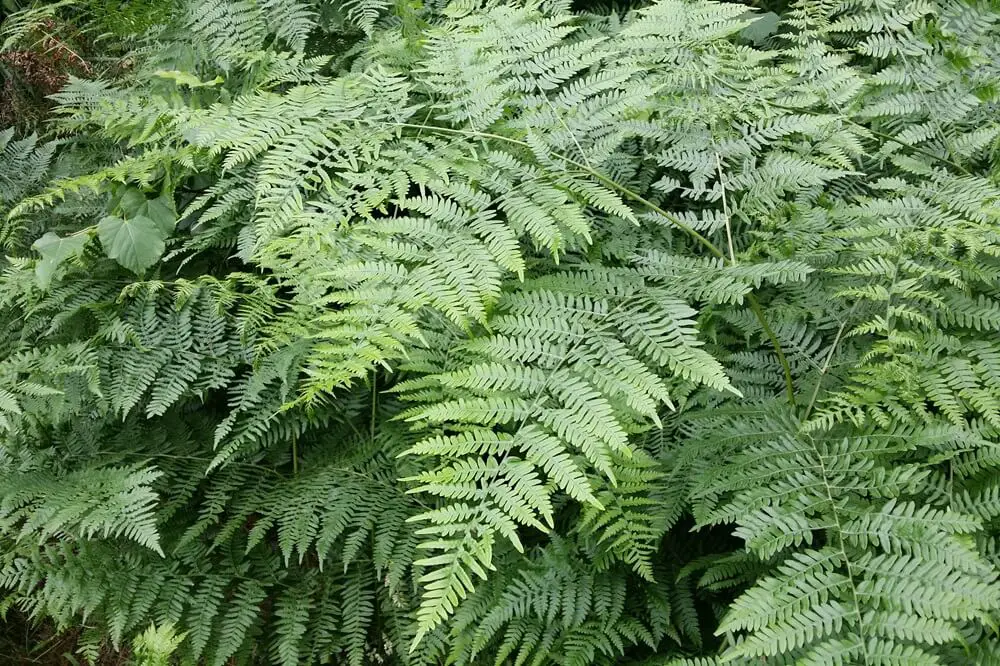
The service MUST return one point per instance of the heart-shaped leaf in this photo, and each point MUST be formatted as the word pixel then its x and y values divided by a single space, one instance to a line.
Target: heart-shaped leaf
pixel 129 202
pixel 54 251
pixel 135 243
pixel 185 79
pixel 762 27
pixel 160 211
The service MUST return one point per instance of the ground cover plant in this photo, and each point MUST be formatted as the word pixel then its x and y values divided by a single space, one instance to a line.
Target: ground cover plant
pixel 503 332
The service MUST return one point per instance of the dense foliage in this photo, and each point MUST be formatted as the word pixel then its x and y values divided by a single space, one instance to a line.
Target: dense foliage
pixel 508 333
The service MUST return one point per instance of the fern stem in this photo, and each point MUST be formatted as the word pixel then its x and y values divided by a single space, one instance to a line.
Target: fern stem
pixel 822 371
pixel 826 362
pixel 843 551
pixel 371 425
pixel 295 454
pixel 786 369
pixel 725 211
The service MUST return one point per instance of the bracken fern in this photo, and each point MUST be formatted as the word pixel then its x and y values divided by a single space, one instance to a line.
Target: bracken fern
pixel 506 333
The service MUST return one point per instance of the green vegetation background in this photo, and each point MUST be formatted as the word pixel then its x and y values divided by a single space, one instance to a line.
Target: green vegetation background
pixel 499 332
